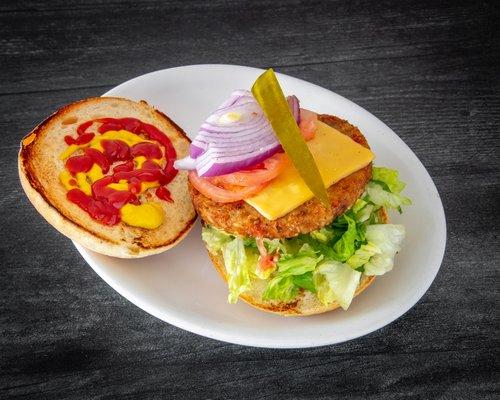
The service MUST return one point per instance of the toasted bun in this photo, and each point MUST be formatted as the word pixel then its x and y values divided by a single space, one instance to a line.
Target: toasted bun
pixel 306 302
pixel 39 168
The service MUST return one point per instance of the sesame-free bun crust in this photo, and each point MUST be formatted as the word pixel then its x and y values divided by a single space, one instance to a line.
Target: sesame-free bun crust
pixel 240 218
pixel 39 168
pixel 306 302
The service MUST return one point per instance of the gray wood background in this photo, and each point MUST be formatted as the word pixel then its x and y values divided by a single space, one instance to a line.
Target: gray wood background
pixel 430 70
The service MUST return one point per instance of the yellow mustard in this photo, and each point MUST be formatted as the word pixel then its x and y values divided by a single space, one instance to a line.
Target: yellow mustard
pixel 70 150
pixel 122 185
pixel 123 135
pixel 141 159
pixel 146 215
pixel 95 173
pixel 65 178
pixel 83 184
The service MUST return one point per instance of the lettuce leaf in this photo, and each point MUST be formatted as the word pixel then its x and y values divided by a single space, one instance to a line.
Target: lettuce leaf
pixel 346 245
pixel 324 234
pixel 335 281
pixel 363 255
pixel 390 177
pixel 388 239
pixel 281 288
pixel 274 245
pixel 214 238
pixel 383 198
pixel 305 281
pixel 291 275
pixel 239 264
pixel 385 187
pixel 362 211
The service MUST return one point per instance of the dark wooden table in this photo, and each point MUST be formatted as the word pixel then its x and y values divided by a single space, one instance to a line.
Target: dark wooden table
pixel 430 70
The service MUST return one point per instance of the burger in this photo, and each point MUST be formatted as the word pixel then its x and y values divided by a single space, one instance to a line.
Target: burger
pixel 294 214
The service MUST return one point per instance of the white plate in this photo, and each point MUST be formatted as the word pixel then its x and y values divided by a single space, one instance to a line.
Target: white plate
pixel 182 288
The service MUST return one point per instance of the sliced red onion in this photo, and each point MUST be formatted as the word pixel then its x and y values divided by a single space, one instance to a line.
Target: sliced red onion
pixel 236 136
pixel 185 163
pixel 195 151
pixel 293 103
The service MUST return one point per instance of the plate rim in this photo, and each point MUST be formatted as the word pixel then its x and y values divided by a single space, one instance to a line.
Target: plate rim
pixel 260 341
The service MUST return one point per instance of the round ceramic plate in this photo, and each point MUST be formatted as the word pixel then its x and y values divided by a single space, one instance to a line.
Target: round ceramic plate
pixel 181 286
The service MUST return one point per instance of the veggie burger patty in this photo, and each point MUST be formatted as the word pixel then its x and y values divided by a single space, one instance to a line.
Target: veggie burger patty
pixel 239 218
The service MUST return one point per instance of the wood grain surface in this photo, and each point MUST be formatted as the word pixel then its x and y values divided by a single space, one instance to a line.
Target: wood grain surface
pixel 429 69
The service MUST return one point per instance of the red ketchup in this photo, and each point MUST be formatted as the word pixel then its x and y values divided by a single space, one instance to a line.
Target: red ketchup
pixel 83 136
pixel 104 204
pixel 100 210
pixel 77 164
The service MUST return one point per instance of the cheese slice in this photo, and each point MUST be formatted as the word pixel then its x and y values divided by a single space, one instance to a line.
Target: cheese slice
pixel 336 156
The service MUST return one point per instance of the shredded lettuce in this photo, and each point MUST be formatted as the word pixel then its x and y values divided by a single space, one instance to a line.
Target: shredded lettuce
pixel 214 238
pixel 390 177
pixel 323 235
pixel 274 245
pixel 284 286
pixel 388 238
pixel 238 267
pixel 383 198
pixel 362 210
pixel 346 245
pixel 305 281
pixel 335 281
pixel 281 288
pixel 384 189
pixel 363 255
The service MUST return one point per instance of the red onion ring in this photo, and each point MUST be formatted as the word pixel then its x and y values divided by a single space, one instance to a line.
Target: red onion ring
pixel 236 136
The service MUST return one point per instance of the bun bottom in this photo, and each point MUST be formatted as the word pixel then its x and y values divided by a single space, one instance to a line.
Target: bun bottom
pixel 306 302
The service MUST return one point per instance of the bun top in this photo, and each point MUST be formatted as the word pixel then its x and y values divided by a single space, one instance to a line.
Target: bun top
pixel 100 170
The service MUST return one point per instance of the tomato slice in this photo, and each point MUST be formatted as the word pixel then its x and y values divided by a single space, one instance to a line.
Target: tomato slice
pixel 243 184
pixel 267 262
pixel 221 195
pixel 272 167
pixel 307 124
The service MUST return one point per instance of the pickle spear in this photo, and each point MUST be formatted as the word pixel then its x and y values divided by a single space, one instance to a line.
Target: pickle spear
pixel 268 93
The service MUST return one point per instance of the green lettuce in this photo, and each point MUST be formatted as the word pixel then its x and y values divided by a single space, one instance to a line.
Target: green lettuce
pixel 388 239
pixel 345 246
pixel 381 197
pixel 363 211
pixel 390 177
pixel 290 275
pixel 240 264
pixel 214 238
pixel 335 281
pixel 281 288
pixel 363 255
pixel 323 235
pixel 384 189
pixel 305 281
pixel 274 245
pixel 328 261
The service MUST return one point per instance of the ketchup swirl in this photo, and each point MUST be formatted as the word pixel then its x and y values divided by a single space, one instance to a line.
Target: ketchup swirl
pixel 104 202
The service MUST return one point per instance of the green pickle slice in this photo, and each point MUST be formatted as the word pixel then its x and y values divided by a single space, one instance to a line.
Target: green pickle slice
pixel 268 93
